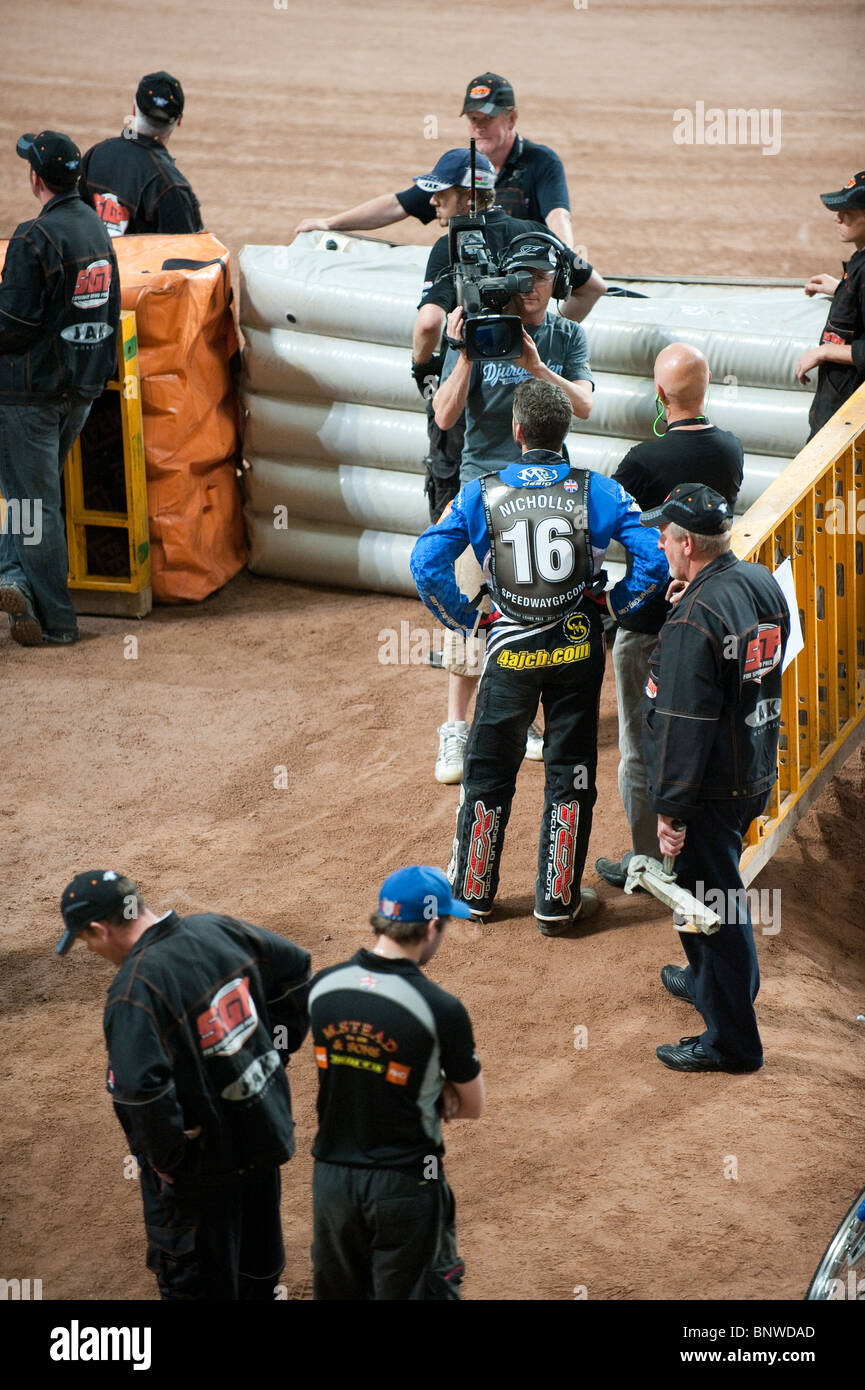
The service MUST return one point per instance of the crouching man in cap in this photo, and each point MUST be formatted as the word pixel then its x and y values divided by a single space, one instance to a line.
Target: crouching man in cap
pixel 200 1020
pixel 395 1057
pixel 711 723
pixel 59 312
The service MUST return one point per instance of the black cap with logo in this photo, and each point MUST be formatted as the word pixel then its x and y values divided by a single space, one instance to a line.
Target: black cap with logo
pixel 160 96
pixel 488 94
pixel 852 195
pixel 693 506
pixel 55 157
pixel 92 895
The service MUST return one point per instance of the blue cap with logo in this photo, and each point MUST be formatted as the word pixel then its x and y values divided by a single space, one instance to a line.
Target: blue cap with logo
pixel 454 171
pixel 418 894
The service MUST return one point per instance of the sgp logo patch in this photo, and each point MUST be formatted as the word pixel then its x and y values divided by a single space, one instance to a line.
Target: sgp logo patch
pixel 92 286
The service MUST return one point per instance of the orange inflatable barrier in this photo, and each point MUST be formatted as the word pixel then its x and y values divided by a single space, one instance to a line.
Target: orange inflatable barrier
pixel 180 289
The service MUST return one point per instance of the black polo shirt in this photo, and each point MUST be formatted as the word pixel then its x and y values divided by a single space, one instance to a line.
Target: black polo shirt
pixel 384 1035
pixel 836 381
pixel 501 230
pixel 651 470
pixel 530 183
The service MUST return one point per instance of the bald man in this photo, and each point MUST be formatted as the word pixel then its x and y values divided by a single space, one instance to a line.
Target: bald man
pixel 691 450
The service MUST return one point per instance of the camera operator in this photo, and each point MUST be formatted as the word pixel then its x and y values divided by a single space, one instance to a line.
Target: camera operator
pixel 449 186
pixel 555 350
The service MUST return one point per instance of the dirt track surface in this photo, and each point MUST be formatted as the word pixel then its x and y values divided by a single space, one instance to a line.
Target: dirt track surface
pixel 593 1166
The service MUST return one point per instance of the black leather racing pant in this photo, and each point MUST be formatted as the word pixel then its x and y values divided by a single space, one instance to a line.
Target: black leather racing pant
pixel 565 677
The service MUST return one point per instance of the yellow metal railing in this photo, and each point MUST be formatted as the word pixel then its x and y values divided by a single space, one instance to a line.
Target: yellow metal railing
pixel 811 513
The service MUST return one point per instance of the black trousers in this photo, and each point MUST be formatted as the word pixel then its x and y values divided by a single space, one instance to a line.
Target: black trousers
pixel 382 1234
pixel 507 702
pixel 723 975
pixel 220 1242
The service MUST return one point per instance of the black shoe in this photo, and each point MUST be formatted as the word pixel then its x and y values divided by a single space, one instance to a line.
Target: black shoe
pixel 559 926
pixel 688 1055
pixel 611 871
pixel 673 980
pixel 24 626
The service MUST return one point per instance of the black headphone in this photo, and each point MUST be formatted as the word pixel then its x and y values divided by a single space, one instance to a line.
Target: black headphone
pixel 562 277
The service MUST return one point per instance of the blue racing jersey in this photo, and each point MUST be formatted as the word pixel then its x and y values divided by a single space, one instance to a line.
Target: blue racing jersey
pixel 612 514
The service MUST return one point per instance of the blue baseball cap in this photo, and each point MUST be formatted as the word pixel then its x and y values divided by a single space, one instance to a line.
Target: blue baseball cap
pixel 454 171
pixel 419 894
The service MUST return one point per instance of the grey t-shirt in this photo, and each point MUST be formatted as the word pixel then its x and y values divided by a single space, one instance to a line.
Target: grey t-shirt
pixel 489 445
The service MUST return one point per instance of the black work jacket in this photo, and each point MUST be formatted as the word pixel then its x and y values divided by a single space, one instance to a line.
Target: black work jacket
pixel 199 1022
pixel 59 306
pixel 712 703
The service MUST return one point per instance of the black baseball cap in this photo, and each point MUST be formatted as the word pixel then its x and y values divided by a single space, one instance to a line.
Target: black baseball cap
pixel 488 94
pixel 160 96
pixel 55 157
pixel 694 507
pixel 852 195
pixel 92 895
pixel 539 255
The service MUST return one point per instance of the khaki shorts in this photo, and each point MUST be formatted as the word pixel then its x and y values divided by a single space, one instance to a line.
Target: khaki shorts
pixel 462 655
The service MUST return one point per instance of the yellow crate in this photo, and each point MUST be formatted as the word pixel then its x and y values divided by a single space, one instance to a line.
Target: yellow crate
pixel 91 591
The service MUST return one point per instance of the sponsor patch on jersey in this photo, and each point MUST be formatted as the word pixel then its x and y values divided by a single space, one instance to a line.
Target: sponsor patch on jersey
pixel 368 982
pixel 651 687
pixel 397 1074
pixel 764 712
pixel 485 91
pixel 92 286
pixel 570 486
pixel 832 338
pixel 86 334
pixel 536 476
pixel 533 661
pixel 109 1078
pixel 321 1058
pixel 763 652
pixel 229 1019
pixel 576 628
pixel 112 212
pixel 254 1079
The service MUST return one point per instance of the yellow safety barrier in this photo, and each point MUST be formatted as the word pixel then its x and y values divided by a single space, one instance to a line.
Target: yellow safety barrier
pixel 106 492
pixel 814 512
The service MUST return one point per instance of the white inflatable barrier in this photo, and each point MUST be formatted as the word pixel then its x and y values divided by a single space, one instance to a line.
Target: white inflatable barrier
pixel 336 431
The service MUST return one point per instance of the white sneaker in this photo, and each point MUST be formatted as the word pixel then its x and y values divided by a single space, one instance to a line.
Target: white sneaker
pixel 452 747
pixel 534 745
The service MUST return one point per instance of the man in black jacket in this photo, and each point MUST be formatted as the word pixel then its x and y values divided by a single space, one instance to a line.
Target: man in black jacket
pixel 199 1024
pixel 59 312
pixel 712 713
pixel 131 180
pixel 840 358
pixel 690 450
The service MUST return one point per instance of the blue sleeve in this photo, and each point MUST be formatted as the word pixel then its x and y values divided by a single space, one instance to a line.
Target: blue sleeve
pixel 551 189
pixel 614 515
pixel 417 204
pixel 433 556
